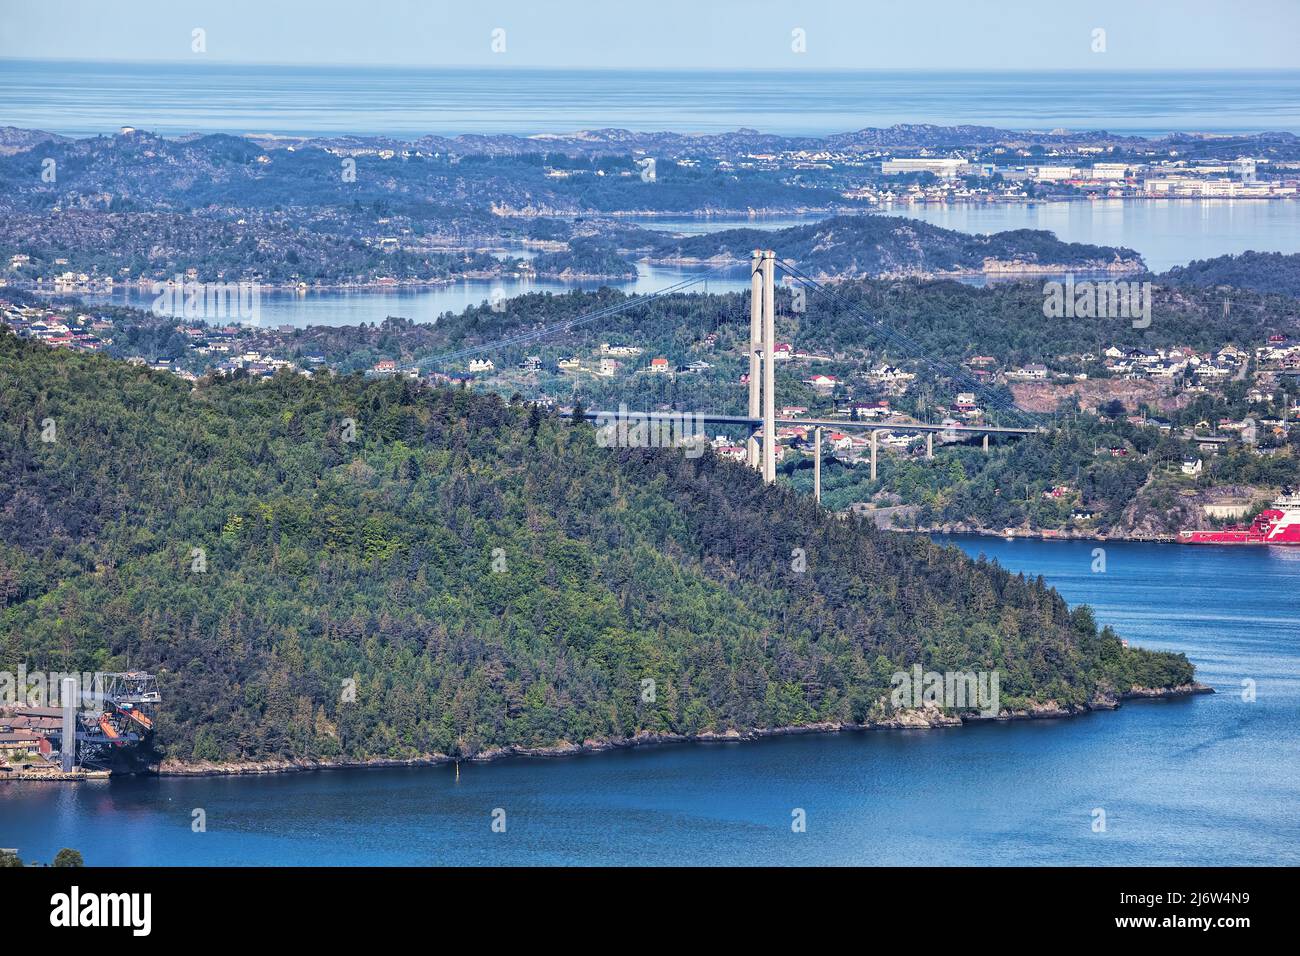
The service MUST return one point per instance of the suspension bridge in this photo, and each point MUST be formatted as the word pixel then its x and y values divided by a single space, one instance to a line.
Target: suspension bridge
pixel 761 421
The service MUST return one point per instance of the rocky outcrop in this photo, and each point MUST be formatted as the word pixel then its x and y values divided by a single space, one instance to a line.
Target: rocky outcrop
pixel 205 768
pixel 1166 693
pixel 52 774
pixel 1118 265
pixel 1053 534
pixel 1091 393
pixel 924 718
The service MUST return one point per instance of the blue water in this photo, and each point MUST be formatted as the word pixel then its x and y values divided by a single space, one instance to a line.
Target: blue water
pixel 175 98
pixel 429 303
pixel 1165 232
pixel 1208 780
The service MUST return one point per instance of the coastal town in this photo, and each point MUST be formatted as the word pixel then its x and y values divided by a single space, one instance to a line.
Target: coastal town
pixel 557 207
pixel 841 384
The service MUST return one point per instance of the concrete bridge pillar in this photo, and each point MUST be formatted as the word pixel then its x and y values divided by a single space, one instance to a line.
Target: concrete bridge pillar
pixel 929 446
pixel 68 698
pixel 874 433
pixel 755 343
pixel 817 464
pixel 986 443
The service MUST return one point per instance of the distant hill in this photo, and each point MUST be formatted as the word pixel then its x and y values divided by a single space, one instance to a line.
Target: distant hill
pixel 863 246
pixel 433 184
pixel 902 136
pixel 1265 272
pixel 14 140
pixel 346 568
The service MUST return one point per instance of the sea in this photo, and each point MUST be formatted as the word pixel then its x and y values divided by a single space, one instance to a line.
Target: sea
pixel 92 98
pixel 197 95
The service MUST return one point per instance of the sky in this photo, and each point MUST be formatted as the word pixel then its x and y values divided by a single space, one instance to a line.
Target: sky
pixel 668 34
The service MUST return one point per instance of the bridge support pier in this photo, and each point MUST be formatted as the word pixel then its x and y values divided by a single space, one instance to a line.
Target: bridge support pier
pixel 929 446
pixel 817 465
pixel 873 454
pixel 986 443
pixel 68 749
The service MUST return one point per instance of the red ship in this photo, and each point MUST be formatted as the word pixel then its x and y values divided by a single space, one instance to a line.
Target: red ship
pixel 1277 524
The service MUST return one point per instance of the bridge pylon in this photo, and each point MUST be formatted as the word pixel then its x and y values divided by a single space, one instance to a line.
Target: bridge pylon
pixel 769 367
pixel 755 350
pixel 761 456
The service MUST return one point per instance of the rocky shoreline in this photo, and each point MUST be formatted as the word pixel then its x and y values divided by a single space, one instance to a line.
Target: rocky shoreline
pixel 50 774
pixel 1040 534
pixel 989 268
pixel 407 284
pixel 918 719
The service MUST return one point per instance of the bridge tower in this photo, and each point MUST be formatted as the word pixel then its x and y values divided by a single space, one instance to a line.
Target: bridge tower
pixel 769 367
pixel 762 358
pixel 755 346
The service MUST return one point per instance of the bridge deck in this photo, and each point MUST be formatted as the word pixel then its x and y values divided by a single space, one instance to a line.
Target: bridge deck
pixel 744 421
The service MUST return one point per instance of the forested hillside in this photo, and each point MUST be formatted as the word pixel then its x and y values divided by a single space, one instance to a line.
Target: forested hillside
pixel 485 574
pixel 864 245
pixel 1260 271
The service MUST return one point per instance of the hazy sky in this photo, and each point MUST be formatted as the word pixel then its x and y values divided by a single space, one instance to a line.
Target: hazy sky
pixel 673 34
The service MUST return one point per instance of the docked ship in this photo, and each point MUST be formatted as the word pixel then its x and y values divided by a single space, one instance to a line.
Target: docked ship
pixel 1277 524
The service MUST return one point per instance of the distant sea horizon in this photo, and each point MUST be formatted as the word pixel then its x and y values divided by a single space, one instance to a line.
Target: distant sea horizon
pixel 84 98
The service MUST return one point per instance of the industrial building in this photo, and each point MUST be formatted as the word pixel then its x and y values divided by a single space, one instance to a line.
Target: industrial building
pixel 943 168
pixel 101 730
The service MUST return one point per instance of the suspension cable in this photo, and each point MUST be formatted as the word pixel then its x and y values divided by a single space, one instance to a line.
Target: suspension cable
pixel 567 325
pixel 914 349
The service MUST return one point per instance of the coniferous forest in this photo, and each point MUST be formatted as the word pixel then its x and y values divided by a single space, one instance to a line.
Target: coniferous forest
pixel 340 567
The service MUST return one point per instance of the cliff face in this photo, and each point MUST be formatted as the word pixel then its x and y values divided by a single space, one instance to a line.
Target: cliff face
pixel 1046 397
pixel 1159 511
